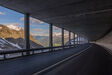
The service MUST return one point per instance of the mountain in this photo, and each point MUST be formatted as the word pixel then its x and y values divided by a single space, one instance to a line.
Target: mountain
pixel 40 37
pixel 44 40
pixel 14 36
pixel 4 45
pixel 21 43
pixel 14 27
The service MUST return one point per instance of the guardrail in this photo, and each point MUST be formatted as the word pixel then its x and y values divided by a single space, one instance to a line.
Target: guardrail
pixel 23 52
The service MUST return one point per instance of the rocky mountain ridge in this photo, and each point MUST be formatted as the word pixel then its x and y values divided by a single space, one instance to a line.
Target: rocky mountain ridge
pixel 12 37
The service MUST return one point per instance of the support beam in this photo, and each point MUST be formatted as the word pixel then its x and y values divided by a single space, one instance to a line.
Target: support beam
pixel 77 39
pixel 74 38
pixel 82 39
pixel 26 32
pixel 69 37
pixel 63 37
pixel 51 36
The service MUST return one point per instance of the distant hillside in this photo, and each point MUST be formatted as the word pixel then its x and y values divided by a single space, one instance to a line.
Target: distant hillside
pixel 40 37
pixel 21 42
pixel 44 40
pixel 15 35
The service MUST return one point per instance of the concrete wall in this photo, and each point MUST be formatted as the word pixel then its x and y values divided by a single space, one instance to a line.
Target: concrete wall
pixel 106 42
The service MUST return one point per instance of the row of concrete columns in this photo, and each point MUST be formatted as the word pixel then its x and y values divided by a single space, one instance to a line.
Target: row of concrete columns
pixel 27 34
pixel 62 32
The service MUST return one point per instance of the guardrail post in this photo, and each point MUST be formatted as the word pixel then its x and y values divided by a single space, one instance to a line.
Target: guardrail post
pixel 33 52
pixel 4 56
pixel 22 54
pixel 26 32
pixel 63 37
pixel 51 36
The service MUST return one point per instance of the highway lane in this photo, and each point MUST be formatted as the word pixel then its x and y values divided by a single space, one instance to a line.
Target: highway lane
pixel 94 61
pixel 31 64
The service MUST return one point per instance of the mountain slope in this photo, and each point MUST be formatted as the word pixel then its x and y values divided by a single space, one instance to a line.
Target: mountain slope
pixel 10 32
pixel 15 36
pixel 4 45
pixel 44 40
pixel 21 42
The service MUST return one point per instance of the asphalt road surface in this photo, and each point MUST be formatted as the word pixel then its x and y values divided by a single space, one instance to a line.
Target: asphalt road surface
pixel 93 61
pixel 31 64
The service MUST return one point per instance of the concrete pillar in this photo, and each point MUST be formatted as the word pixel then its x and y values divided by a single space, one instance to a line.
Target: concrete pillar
pixel 77 39
pixel 26 32
pixel 82 40
pixel 74 38
pixel 51 36
pixel 69 37
pixel 63 37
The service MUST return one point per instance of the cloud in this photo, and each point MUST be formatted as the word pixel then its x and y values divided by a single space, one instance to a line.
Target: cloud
pixel 33 20
pixel 45 33
pixel 2 13
pixel 36 34
pixel 56 34
pixel 39 34
pixel 75 35
pixel 56 28
pixel 22 19
pixel 15 24
pixel 37 29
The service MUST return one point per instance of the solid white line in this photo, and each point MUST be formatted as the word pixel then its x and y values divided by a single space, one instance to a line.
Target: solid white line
pixel 41 71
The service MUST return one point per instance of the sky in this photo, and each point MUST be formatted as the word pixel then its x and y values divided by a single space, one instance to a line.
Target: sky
pixel 37 27
pixel 10 17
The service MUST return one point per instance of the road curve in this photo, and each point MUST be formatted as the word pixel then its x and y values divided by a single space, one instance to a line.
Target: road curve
pixel 93 61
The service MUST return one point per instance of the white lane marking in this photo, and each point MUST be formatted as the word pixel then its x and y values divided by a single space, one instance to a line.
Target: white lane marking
pixel 45 69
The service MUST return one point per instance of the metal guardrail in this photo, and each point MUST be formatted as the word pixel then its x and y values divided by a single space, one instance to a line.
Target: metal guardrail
pixel 23 52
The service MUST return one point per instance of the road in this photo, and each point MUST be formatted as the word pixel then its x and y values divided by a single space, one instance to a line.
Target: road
pixel 93 61
pixel 31 64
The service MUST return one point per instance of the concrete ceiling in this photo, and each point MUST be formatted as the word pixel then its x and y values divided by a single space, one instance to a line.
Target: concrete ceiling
pixel 93 18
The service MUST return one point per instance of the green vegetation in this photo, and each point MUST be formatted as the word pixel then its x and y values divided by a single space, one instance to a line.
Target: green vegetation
pixel 57 44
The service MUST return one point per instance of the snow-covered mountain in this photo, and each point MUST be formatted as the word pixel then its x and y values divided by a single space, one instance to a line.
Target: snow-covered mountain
pixel 12 37
pixel 14 27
